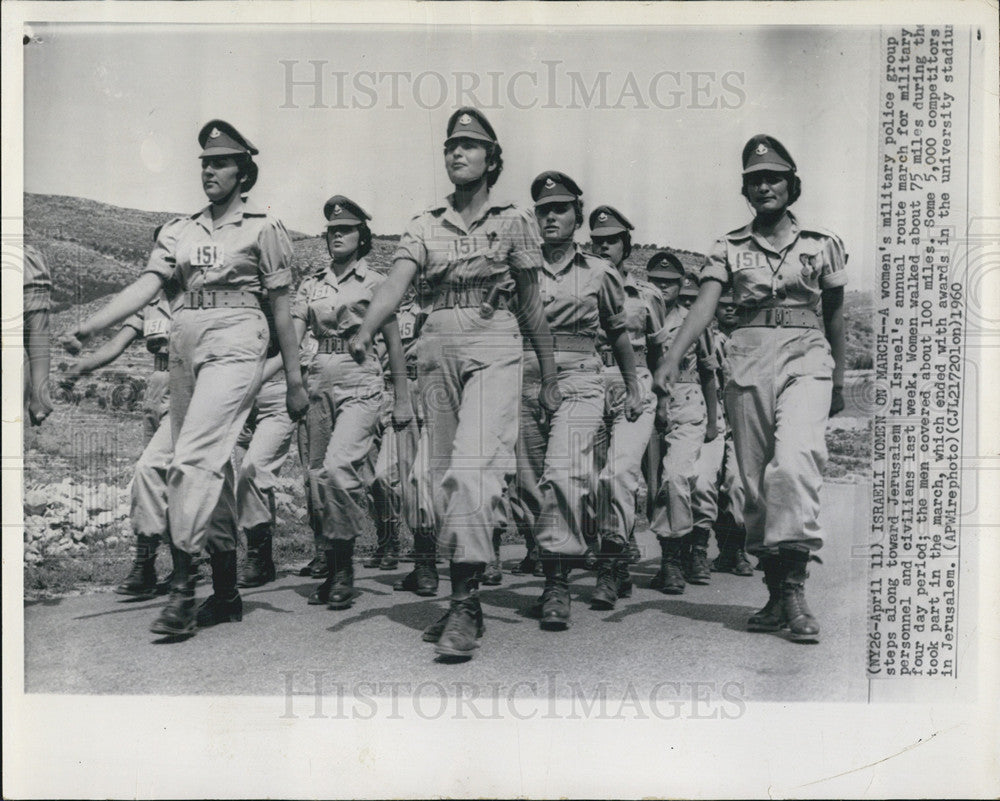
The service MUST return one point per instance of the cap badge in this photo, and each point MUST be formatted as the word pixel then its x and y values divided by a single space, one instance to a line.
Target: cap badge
pixel 602 217
pixel 215 133
pixel 465 119
pixel 337 209
pixel 761 149
pixel 550 184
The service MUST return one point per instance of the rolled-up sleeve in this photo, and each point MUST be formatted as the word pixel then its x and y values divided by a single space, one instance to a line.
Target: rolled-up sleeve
pixel 705 352
pixel 611 303
pixel 300 304
pixel 412 243
pixel 37 282
pixel 656 311
pixel 524 252
pixel 276 254
pixel 135 321
pixel 163 259
pixel 834 273
pixel 716 264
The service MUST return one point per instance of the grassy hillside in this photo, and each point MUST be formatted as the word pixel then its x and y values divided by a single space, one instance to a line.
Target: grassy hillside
pixel 92 248
pixel 95 249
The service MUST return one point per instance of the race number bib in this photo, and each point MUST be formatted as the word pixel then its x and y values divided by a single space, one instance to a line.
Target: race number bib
pixel 152 328
pixel 407 325
pixel 750 260
pixel 206 256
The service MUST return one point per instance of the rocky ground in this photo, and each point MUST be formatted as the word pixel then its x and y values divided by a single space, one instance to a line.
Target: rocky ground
pixel 77 536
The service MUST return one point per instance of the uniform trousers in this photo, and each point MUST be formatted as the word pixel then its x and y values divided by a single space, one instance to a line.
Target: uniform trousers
pixel 469 373
pixel 271 431
pixel 216 363
pixel 621 472
pixel 556 453
pixel 345 406
pixel 682 439
pixel 148 490
pixel 777 396
pixel 155 402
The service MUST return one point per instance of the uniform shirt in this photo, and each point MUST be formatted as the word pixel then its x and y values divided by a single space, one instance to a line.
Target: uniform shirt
pixel 644 312
pixel 762 276
pixel 246 249
pixel 698 357
pixel 335 307
pixel 501 240
pixel 152 322
pixel 37 282
pixel 584 297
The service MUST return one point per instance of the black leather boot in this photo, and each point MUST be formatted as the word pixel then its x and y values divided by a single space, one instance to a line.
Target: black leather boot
pixel 177 619
pixel 623 579
pixel 342 575
pixel 697 570
pixel 321 595
pixel 224 605
pixel 386 554
pixel 464 623
pixel 555 596
pixel 390 557
pixel 772 616
pixel 670 579
pixel 141 580
pixel 423 579
pixel 494 576
pixel 316 568
pixel 259 567
pixel 531 564
pixel 605 595
pixel 802 626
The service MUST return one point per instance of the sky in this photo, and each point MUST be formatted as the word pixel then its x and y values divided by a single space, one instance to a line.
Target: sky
pixel 650 120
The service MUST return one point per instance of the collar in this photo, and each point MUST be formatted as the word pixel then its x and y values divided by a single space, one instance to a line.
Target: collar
pixel 579 259
pixel 359 270
pixel 447 205
pixel 234 216
pixel 747 232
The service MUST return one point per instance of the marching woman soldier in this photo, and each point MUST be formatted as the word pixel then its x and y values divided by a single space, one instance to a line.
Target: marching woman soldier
pixel 389 486
pixel 468 248
pixel 148 486
pixel 723 489
pixel 684 416
pixel 786 368
pixel 583 297
pixel 223 258
pixel 618 482
pixel 267 439
pixel 345 397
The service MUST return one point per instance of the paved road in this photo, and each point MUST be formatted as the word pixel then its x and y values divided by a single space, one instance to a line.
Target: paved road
pixel 102 644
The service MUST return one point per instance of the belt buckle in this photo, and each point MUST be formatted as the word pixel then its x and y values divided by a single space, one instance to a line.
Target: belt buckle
pixel 780 317
pixel 197 298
